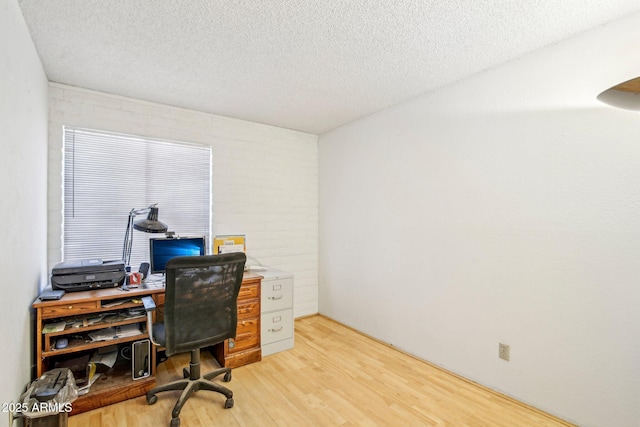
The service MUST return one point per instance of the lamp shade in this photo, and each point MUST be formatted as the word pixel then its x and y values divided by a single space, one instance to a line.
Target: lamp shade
pixel 151 223
pixel 625 95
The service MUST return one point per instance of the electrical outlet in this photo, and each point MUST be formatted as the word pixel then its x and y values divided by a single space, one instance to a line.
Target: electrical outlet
pixel 503 351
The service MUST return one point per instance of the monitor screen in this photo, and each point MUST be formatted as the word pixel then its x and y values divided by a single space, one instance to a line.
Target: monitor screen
pixel 162 250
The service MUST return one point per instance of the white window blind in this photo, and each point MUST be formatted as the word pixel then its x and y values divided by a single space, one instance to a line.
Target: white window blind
pixel 106 175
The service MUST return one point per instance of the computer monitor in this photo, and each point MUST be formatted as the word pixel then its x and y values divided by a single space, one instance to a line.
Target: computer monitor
pixel 162 250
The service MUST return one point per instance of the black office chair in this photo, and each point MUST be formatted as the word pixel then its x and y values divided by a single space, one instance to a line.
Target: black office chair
pixel 200 310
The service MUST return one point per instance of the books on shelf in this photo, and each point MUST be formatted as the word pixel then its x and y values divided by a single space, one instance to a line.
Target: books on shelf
pixel 113 333
pixel 54 327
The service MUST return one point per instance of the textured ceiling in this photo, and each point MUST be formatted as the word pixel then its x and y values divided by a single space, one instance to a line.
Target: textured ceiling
pixel 304 65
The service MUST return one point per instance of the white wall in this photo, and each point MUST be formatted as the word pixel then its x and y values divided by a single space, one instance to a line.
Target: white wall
pixel 23 211
pixel 265 179
pixel 503 208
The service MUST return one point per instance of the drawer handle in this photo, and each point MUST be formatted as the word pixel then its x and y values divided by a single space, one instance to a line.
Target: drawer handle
pixel 278 297
pixel 70 307
pixel 276 330
pixel 232 343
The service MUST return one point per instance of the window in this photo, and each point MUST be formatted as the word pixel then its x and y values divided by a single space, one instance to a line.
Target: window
pixel 106 175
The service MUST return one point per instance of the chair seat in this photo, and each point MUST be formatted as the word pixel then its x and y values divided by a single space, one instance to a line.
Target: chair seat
pixel 159 334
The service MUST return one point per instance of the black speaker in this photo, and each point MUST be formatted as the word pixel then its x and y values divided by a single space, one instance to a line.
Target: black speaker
pixel 144 269
pixel 140 359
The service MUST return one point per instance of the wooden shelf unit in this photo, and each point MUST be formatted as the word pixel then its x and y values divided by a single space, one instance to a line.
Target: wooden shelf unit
pixel 116 384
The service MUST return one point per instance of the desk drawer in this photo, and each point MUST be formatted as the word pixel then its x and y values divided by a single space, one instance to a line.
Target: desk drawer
pixel 276 326
pixel 248 291
pixel 247 336
pixel 248 310
pixel 276 294
pixel 69 309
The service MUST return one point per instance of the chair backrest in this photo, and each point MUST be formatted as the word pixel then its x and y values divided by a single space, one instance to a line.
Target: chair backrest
pixel 201 296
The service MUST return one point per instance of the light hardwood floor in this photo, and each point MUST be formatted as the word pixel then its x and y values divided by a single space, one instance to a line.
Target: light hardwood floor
pixel 333 377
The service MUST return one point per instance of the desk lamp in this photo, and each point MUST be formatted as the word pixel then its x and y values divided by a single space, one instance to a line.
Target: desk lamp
pixel 148 225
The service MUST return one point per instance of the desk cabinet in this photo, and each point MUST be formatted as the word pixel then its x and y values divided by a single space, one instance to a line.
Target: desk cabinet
pixel 245 348
pixel 79 310
pixel 91 312
pixel 276 319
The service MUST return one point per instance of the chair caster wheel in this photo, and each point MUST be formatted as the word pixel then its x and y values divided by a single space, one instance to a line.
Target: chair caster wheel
pixel 175 422
pixel 228 403
pixel 185 373
pixel 152 399
pixel 227 377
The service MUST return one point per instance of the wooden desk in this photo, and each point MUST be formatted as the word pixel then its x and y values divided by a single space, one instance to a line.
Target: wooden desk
pixel 116 384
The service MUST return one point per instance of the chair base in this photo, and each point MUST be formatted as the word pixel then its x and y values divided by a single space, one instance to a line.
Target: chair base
pixel 193 382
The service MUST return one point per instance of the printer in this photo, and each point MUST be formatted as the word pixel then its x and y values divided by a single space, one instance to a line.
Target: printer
pixel 85 274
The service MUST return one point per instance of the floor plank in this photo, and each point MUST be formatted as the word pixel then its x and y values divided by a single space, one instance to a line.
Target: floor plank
pixel 333 377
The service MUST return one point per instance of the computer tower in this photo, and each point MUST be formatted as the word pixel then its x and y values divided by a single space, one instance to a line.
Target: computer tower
pixel 140 359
